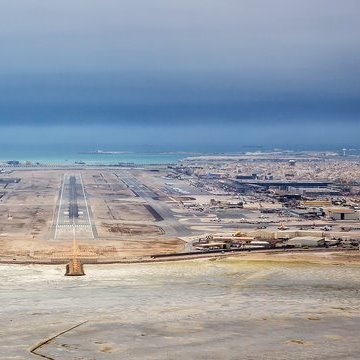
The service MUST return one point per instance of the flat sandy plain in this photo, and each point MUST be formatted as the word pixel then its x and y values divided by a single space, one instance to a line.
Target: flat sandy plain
pixel 122 223
pixel 253 306
pixel 129 215
pixel 200 309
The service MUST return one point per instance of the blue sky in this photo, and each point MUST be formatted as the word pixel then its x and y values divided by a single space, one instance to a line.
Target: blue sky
pixel 271 72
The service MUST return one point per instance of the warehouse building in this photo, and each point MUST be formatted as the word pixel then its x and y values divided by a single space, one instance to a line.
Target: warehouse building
pixel 306 241
pixel 343 214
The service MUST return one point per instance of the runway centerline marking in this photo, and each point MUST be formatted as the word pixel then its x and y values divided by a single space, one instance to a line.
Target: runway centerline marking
pixel 76 215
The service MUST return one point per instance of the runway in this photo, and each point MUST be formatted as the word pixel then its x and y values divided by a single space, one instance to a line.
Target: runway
pixel 170 223
pixel 73 214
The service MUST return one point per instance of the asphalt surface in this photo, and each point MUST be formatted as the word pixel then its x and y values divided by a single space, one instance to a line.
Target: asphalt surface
pixel 170 223
pixel 73 211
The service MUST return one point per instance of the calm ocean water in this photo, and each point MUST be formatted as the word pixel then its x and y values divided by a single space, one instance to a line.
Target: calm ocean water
pixel 68 155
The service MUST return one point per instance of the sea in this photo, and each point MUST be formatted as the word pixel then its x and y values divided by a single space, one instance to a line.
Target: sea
pixel 92 155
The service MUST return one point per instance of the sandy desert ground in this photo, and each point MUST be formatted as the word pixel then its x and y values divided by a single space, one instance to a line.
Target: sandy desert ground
pixel 123 223
pixel 202 309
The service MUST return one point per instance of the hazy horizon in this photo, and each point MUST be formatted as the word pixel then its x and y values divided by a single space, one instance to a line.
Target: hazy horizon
pixel 183 76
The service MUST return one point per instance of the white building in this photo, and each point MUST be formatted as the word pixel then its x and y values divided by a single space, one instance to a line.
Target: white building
pixel 306 241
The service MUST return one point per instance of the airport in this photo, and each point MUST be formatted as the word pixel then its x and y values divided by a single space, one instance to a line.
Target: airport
pixel 138 213
pixel 180 180
pixel 168 250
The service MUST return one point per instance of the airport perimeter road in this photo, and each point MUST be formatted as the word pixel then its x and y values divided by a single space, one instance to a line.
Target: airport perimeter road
pixel 169 222
pixel 73 211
